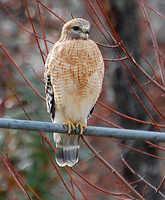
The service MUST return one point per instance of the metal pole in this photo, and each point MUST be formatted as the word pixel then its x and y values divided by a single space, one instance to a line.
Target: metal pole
pixel 91 131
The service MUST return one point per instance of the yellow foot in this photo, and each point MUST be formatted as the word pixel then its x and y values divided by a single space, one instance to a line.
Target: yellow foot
pixel 70 126
pixel 81 127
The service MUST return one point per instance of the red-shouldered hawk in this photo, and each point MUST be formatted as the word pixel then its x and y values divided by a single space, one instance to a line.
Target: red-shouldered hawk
pixel 73 81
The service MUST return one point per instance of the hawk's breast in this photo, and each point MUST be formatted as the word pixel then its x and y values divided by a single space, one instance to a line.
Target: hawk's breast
pixel 76 73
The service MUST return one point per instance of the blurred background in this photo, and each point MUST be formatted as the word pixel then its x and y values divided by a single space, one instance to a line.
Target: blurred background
pixel 121 93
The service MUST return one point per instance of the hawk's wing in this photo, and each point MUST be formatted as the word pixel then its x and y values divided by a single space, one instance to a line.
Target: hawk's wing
pixel 50 101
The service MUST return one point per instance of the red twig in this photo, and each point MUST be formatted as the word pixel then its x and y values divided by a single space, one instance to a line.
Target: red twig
pixel 106 121
pixel 155 107
pixel 122 47
pixel 153 10
pixel 155 45
pixel 19 102
pixel 155 75
pixel 145 189
pixel 31 21
pixel 18 24
pixel 37 76
pixel 65 185
pixel 147 183
pixel 115 60
pixel 160 185
pixel 16 177
pixel 132 60
pixel 140 101
pixel 137 150
pixel 73 181
pixel 42 27
pixel 51 11
pixel 22 74
pixel 106 46
pixel 114 171
pixel 96 187
pixel 154 146
pixel 128 117
pixel 104 27
pixel 130 168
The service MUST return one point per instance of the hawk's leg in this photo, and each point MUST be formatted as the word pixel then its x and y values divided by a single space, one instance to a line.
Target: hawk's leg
pixel 71 126
pixel 81 126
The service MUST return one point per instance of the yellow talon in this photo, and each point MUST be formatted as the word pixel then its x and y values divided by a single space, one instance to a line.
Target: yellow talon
pixel 70 125
pixel 81 126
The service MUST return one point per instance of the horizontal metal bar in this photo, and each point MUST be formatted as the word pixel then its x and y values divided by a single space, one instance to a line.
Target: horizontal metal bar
pixel 91 131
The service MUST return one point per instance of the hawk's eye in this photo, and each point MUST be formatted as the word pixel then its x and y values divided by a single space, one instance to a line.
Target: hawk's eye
pixel 76 28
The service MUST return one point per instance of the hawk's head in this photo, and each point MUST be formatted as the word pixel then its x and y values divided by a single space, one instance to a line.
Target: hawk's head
pixel 77 28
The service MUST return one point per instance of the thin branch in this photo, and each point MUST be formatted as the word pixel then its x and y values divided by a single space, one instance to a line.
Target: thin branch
pixel 115 60
pixel 155 11
pixel 112 169
pixel 34 31
pixel 57 170
pixel 147 183
pixel 122 47
pixel 22 27
pixel 160 185
pixel 128 117
pixel 155 45
pixel 51 11
pixel 140 101
pixel 96 187
pixel 75 182
pixel 91 131
pixel 137 150
pixel 42 27
pixel 22 74
pixel 15 175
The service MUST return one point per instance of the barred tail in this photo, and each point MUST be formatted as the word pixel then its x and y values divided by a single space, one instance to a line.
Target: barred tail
pixel 67 149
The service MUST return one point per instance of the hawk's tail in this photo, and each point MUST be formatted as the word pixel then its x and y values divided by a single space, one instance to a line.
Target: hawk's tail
pixel 67 149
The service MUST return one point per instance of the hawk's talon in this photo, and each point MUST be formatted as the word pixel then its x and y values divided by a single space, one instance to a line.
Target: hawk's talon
pixel 71 126
pixel 81 126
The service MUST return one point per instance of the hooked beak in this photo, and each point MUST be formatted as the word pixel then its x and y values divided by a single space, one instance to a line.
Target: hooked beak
pixel 86 30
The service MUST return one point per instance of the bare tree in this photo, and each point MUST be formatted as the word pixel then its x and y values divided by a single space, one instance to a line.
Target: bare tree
pixel 132 97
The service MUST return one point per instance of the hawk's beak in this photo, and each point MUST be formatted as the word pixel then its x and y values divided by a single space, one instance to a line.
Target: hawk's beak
pixel 86 30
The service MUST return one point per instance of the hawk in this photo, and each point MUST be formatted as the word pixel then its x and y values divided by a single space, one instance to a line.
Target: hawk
pixel 73 75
